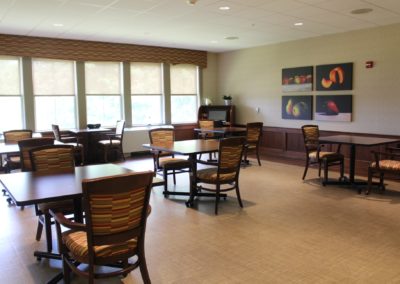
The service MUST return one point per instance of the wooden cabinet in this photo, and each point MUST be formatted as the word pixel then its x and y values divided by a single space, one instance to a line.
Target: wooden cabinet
pixel 222 115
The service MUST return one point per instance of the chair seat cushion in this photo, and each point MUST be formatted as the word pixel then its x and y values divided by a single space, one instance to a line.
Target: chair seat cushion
pixel 174 162
pixel 58 206
pixel 107 142
pixel 390 165
pixel 76 242
pixel 313 155
pixel 210 175
pixel 14 159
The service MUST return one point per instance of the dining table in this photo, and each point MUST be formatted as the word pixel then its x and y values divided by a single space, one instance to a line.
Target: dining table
pixel 30 188
pixel 354 141
pixel 190 148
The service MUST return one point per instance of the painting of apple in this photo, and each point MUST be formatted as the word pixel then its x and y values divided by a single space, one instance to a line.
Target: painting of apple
pixel 297 107
pixel 297 79
pixel 333 108
pixel 332 77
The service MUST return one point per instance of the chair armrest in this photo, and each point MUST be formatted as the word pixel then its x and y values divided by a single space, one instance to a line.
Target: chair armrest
pixel 62 220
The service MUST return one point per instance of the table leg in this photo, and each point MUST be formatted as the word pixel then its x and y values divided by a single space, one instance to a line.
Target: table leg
pixel 352 163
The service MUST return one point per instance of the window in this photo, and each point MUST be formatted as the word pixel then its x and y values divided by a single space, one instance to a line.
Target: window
pixel 103 92
pixel 146 89
pixel 54 92
pixel 10 94
pixel 184 93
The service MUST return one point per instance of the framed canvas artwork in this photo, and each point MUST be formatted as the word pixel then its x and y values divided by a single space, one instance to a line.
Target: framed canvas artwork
pixel 334 108
pixel 299 79
pixel 297 107
pixel 334 77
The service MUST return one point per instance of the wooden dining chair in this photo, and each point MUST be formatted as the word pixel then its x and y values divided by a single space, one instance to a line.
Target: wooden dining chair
pixel 116 211
pixel 114 142
pixel 383 163
pixel 13 161
pixel 224 174
pixel 253 140
pixel 314 155
pixel 206 124
pixel 50 160
pixel 165 162
pixel 70 140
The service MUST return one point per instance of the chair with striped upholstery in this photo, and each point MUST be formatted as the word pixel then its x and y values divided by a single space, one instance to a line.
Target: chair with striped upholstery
pixel 224 176
pixel 50 160
pixel 26 166
pixel 382 164
pixel 314 155
pixel 116 210
pixel 166 162
pixel 13 162
pixel 206 124
pixel 253 139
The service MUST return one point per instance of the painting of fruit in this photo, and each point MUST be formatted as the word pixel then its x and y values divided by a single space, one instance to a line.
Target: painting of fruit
pixel 298 79
pixel 334 108
pixel 297 107
pixel 334 77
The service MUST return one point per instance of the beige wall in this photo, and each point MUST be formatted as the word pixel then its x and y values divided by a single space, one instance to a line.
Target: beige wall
pixel 253 77
pixel 209 82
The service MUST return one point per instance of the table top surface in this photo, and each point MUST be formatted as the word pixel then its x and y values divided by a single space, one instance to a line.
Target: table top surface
pixel 30 188
pixel 231 129
pixel 187 147
pixel 357 140
pixel 87 130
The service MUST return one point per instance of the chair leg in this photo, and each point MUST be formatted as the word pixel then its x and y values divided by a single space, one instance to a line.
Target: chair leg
pixel 370 173
pixel 121 153
pixel 258 157
pixel 165 177
pixel 66 270
pixel 382 181
pixel 47 224
pixel 173 171
pixel 238 194
pixel 325 162
pixel 341 169
pixel 319 168
pixel 217 199
pixel 143 268
pixel 305 169
pixel 39 229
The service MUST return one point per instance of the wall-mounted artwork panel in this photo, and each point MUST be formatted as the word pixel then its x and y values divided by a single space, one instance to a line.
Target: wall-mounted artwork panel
pixel 299 79
pixel 297 107
pixel 334 77
pixel 334 107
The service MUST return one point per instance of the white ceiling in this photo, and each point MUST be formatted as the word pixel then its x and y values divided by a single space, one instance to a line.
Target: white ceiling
pixel 174 23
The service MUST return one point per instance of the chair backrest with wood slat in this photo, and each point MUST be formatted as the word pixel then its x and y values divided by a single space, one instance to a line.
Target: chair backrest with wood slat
pixel 230 154
pixel 13 136
pixel 116 209
pixel 52 159
pixel 26 145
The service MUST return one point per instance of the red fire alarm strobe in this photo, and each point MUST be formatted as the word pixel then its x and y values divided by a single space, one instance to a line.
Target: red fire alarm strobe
pixel 369 64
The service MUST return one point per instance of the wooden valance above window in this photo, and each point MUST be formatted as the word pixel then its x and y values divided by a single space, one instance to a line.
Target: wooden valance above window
pixel 81 50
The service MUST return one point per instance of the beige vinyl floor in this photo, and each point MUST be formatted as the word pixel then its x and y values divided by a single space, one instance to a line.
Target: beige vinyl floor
pixel 289 231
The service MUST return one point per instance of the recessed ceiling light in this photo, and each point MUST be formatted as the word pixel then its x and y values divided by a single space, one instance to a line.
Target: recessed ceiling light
pixel 231 37
pixel 58 25
pixel 361 11
pixel 298 24
pixel 224 8
pixel 214 41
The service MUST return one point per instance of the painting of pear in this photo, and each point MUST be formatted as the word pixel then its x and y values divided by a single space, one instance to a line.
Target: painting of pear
pixel 289 107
